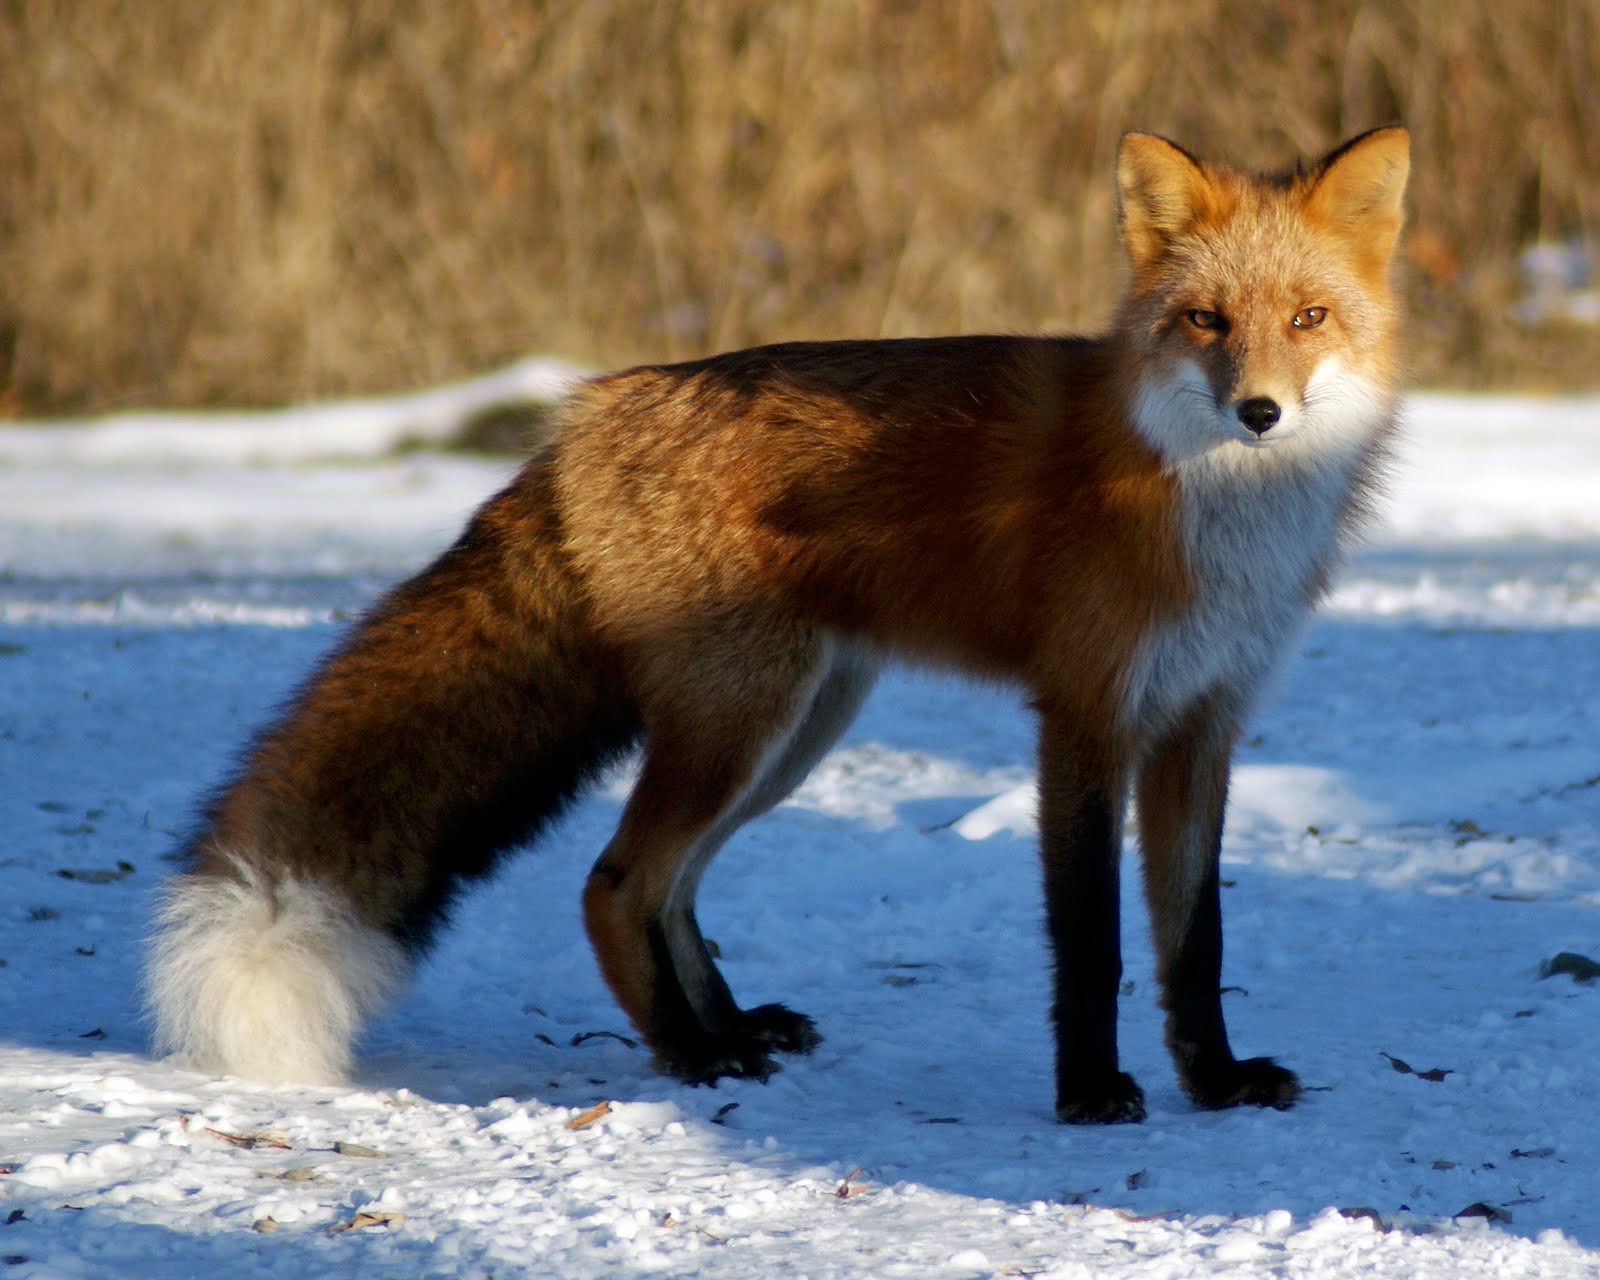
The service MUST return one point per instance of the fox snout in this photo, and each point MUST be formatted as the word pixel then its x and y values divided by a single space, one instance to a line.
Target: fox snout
pixel 1259 414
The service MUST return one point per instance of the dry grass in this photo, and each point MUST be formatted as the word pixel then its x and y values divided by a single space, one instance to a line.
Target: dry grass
pixel 284 198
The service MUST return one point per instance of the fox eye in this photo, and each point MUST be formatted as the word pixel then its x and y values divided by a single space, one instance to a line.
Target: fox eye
pixel 1205 319
pixel 1310 317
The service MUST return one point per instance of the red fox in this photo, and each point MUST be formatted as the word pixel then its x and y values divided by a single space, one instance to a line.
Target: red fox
pixel 713 559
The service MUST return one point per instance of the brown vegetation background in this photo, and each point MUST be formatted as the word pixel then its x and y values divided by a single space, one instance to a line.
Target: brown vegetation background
pixel 277 199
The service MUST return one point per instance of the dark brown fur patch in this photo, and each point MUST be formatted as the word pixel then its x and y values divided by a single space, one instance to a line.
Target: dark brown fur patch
pixel 453 723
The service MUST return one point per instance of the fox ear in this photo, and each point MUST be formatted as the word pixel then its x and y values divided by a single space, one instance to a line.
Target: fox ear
pixel 1358 191
pixel 1162 191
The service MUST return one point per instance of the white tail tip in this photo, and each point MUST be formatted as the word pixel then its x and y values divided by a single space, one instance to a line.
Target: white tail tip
pixel 265 979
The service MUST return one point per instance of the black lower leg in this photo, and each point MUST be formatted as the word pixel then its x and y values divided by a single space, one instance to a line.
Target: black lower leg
pixel 1197 1035
pixel 701 1040
pixel 1081 835
pixel 1090 1088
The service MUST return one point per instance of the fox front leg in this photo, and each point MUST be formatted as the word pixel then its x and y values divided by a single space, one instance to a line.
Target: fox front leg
pixel 1082 798
pixel 1182 793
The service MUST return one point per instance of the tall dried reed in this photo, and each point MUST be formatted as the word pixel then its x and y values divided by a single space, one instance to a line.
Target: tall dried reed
pixel 278 199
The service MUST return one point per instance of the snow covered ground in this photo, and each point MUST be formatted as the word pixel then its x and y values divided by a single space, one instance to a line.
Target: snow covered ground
pixel 1415 830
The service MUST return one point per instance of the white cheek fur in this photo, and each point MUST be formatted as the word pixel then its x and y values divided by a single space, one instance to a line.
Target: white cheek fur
pixel 1340 405
pixel 1177 415
pixel 1180 418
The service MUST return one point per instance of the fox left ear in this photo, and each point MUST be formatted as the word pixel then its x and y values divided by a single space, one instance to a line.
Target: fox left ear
pixel 1358 191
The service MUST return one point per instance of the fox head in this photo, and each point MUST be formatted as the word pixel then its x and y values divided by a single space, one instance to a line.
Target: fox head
pixel 1260 311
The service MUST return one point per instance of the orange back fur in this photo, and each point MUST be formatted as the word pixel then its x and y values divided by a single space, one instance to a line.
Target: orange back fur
pixel 976 501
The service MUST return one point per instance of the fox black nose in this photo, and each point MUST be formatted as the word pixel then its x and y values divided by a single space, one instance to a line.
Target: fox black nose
pixel 1259 413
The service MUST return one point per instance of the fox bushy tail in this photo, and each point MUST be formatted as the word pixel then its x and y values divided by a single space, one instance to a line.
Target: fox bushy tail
pixel 457 720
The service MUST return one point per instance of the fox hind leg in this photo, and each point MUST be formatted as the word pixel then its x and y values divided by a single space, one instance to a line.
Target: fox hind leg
pixel 833 706
pixel 749 739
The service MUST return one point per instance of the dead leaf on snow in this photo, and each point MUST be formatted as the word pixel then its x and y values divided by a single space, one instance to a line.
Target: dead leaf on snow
pixel 586 1118
pixel 97 875
pixel 273 1138
pixel 583 1037
pixel 850 1187
pixel 1434 1075
pixel 1128 1216
pixel 1482 1209
pixel 366 1219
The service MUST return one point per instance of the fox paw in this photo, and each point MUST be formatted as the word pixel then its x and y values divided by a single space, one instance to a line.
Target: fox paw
pixel 1112 1098
pixel 781 1027
pixel 742 1050
pixel 1255 1082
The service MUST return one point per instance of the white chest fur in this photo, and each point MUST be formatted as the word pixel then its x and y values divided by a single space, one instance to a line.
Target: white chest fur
pixel 1259 533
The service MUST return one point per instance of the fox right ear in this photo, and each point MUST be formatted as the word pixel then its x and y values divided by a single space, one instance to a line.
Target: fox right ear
pixel 1162 192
